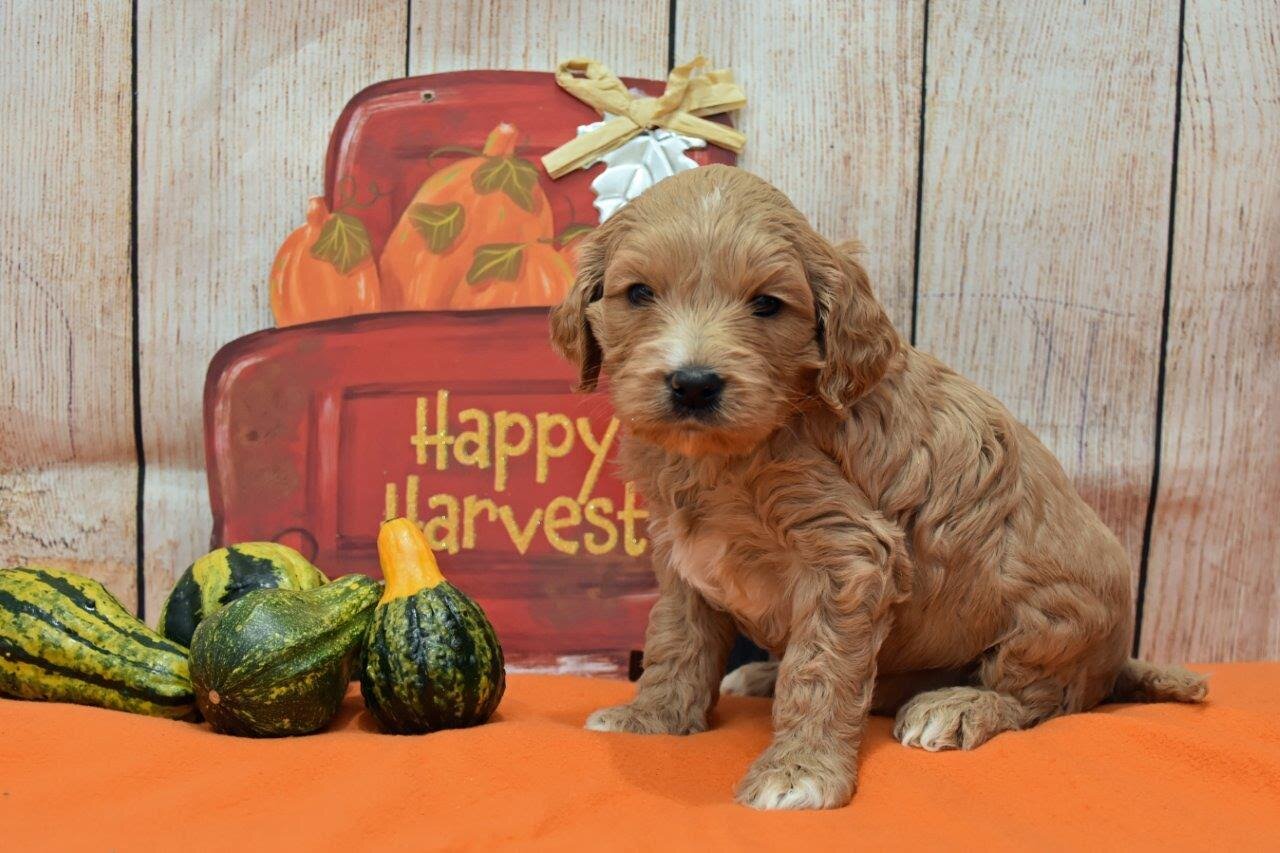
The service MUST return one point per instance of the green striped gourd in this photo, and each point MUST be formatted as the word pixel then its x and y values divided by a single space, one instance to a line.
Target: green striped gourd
pixel 277 661
pixel 432 660
pixel 222 576
pixel 64 638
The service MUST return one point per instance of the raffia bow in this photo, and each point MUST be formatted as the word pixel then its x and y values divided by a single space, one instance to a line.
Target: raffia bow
pixel 678 109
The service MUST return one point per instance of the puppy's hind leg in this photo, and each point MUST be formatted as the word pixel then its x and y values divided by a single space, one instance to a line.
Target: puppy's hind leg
pixel 894 691
pixel 1058 660
pixel 958 718
pixel 751 679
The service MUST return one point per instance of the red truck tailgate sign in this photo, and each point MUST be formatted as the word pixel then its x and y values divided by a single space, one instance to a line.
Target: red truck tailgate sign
pixel 462 421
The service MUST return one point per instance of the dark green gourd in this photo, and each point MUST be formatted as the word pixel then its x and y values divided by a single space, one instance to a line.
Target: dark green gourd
pixel 220 577
pixel 432 660
pixel 276 661
pixel 64 638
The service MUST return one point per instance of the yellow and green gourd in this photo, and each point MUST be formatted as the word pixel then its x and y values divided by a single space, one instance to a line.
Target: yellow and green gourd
pixel 64 638
pixel 222 576
pixel 277 661
pixel 431 658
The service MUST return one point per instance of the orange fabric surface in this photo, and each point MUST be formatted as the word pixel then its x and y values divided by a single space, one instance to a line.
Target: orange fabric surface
pixel 1121 777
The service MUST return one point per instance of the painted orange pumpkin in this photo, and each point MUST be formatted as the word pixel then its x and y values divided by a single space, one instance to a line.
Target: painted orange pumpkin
pixel 324 269
pixel 511 275
pixel 570 241
pixel 488 199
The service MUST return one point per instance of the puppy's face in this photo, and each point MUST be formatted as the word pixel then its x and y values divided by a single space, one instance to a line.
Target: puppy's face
pixel 705 322
pixel 709 302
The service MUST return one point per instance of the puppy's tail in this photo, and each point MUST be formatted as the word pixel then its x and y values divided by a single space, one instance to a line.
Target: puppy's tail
pixel 1140 681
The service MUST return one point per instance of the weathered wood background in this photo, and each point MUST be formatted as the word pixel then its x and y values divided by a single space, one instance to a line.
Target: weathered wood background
pixel 1078 204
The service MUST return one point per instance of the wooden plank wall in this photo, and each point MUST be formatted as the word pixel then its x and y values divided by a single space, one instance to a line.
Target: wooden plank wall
pixel 234 101
pixel 68 471
pixel 1076 204
pixel 843 88
pixel 1044 225
pixel 536 35
pixel 1213 587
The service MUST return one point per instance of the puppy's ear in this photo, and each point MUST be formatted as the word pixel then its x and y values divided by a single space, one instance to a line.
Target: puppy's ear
pixel 854 333
pixel 571 333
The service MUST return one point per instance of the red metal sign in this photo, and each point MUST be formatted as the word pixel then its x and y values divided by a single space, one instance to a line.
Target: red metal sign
pixel 463 421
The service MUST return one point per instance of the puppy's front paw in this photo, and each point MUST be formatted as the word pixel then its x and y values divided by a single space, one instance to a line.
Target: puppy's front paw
pixel 642 721
pixel 778 781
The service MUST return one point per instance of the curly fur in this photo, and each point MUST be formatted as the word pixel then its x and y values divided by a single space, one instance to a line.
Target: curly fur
pixel 854 505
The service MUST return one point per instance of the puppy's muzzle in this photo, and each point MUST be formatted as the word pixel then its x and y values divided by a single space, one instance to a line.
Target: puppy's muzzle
pixel 695 391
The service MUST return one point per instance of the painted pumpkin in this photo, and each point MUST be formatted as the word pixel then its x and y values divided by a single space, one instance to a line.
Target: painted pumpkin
pixel 324 269
pixel 488 199
pixel 570 241
pixel 511 275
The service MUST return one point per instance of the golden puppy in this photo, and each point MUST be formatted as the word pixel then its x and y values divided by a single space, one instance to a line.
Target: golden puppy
pixel 846 500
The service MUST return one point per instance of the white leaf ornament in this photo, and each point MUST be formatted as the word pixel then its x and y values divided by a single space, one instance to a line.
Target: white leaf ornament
pixel 638 164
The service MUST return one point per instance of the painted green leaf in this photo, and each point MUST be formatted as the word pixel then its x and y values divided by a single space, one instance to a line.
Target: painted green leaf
pixel 343 242
pixel 572 232
pixel 496 262
pixel 511 175
pixel 439 224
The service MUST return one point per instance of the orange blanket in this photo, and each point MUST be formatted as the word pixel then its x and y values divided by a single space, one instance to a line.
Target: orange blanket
pixel 1123 776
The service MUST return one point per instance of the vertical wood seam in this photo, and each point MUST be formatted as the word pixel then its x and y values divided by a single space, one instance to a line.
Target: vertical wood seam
pixel 408 34
pixel 924 100
pixel 139 449
pixel 671 35
pixel 1149 525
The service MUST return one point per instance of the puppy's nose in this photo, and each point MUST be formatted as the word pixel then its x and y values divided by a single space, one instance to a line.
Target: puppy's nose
pixel 695 388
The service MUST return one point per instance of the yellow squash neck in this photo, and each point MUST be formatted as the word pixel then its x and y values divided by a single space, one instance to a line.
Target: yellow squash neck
pixel 408 563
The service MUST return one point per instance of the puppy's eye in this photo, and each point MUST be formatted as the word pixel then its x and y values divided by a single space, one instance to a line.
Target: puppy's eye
pixel 639 294
pixel 766 306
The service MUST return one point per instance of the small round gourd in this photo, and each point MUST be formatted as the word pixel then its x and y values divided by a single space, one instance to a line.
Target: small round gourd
pixel 432 660
pixel 277 661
